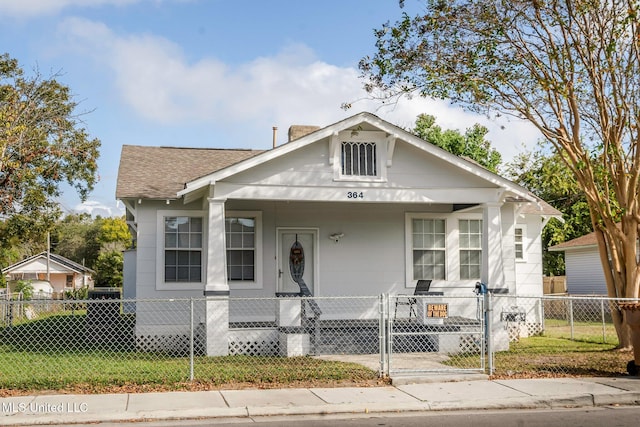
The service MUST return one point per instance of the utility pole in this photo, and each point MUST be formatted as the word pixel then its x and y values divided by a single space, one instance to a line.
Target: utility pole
pixel 48 257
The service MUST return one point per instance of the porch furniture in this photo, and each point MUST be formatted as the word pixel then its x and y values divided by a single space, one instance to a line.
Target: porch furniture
pixel 422 288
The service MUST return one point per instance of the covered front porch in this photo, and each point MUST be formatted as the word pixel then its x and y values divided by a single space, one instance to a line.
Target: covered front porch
pixel 357 248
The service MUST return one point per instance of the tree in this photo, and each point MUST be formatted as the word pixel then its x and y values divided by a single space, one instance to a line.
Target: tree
pixel 114 237
pixel 108 268
pixel 547 176
pixel 75 237
pixel 97 243
pixel 42 145
pixel 114 234
pixel 570 68
pixel 472 144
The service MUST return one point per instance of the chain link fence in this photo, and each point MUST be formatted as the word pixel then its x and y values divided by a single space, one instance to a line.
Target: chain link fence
pixel 51 344
pixel 559 336
pixel 433 333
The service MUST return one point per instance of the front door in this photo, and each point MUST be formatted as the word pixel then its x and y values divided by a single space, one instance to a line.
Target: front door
pixel 303 241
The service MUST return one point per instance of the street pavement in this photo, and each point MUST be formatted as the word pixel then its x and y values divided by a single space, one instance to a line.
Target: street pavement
pixel 439 393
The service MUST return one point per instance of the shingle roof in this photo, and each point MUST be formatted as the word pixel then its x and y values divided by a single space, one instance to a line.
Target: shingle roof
pixel 582 241
pixel 160 172
pixel 72 265
pixel 579 242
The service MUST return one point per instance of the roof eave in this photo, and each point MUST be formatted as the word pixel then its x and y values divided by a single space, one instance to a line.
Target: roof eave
pixel 570 248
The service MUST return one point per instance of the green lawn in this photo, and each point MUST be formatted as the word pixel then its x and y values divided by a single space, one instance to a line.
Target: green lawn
pixel 58 352
pixel 553 356
pixel 565 349
pixel 582 331
pixel 554 353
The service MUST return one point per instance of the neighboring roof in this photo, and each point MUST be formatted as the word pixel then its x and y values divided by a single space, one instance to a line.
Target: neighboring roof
pixel 586 241
pixel 161 172
pixel 59 259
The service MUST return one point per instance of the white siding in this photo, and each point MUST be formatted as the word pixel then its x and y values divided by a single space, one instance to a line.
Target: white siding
pixel 309 166
pixel 529 271
pixel 146 252
pixel 368 260
pixel 584 272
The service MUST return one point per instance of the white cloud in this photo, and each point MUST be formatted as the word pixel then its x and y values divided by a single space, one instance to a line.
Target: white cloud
pixel 154 78
pixel 95 208
pixel 29 8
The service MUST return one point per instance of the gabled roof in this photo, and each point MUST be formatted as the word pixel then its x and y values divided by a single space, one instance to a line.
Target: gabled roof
pixel 161 172
pixel 583 242
pixel 586 241
pixel 357 120
pixel 54 258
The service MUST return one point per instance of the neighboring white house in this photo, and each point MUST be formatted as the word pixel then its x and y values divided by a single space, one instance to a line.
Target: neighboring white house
pixel 62 273
pixel 583 268
pixel 374 207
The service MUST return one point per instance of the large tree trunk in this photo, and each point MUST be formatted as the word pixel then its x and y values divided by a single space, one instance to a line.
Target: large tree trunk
pixel 622 329
pixel 614 290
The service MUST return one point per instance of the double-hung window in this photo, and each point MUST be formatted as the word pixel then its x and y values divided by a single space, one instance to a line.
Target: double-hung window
pixel 241 248
pixel 428 248
pixel 519 243
pixel 183 249
pixel 470 242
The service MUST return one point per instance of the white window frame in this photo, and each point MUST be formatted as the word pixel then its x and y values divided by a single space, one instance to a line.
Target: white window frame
pixel 256 283
pixel 378 138
pixel 161 285
pixel 523 243
pixel 470 247
pixel 452 243
pixel 353 163
pixel 443 249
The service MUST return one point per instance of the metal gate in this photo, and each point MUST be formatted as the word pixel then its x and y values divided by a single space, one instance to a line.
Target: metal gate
pixel 434 334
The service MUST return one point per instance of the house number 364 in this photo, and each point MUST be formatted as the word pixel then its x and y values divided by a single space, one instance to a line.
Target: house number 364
pixel 355 195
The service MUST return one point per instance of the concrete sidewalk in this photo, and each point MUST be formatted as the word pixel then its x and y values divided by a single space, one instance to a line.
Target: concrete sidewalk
pixel 450 395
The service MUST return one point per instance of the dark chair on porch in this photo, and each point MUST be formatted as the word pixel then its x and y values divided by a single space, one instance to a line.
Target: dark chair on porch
pixel 422 288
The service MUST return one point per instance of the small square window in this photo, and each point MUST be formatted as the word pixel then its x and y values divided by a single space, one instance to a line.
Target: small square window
pixel 359 159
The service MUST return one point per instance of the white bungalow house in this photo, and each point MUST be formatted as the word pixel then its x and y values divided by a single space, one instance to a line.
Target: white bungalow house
pixel 373 207
pixel 62 273
pixel 583 268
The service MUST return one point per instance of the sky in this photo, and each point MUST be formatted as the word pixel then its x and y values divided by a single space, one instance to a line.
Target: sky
pixel 213 73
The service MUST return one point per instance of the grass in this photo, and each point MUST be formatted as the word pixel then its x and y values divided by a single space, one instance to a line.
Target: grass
pixel 582 331
pixel 555 354
pixel 546 356
pixel 99 372
pixel 56 352
pixel 581 349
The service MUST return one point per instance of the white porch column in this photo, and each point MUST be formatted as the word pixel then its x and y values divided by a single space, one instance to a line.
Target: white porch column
pixel 216 288
pixel 492 273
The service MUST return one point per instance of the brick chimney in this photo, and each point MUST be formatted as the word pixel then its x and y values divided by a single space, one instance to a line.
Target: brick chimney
pixel 298 131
